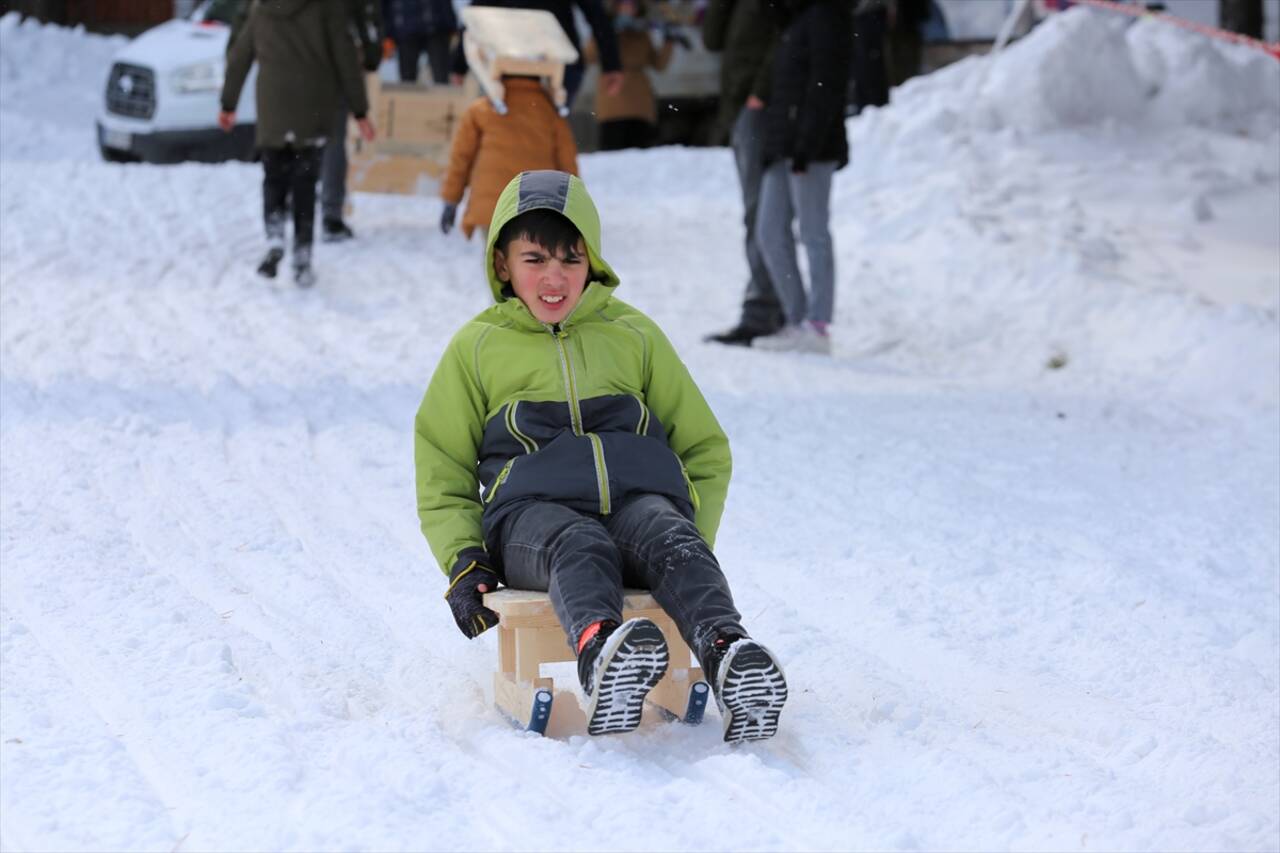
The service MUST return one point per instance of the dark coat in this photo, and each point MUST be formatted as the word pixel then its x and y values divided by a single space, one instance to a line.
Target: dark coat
pixel 365 17
pixel 804 117
pixel 306 58
pixel 744 30
pixel 418 17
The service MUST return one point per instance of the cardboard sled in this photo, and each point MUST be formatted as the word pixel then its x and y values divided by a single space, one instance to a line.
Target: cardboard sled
pixel 415 124
pixel 529 635
pixel 529 42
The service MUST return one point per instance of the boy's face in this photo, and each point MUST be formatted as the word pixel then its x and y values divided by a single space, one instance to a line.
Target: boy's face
pixel 549 285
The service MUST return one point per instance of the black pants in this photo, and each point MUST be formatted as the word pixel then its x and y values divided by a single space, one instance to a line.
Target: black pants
pixel 583 561
pixel 622 133
pixel 289 181
pixel 436 46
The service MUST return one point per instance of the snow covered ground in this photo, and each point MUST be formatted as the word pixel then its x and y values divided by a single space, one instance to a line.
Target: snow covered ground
pixel 1017 542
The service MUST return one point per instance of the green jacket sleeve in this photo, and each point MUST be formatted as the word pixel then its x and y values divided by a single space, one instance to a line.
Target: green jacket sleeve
pixel 447 434
pixel 715 24
pixel 349 65
pixel 692 432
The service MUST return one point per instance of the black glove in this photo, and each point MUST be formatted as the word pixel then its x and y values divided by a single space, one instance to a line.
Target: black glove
pixel 672 33
pixel 467 602
pixel 447 216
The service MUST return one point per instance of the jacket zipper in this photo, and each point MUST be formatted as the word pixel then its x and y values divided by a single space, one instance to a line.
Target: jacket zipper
pixel 499 480
pixel 575 417
pixel 526 442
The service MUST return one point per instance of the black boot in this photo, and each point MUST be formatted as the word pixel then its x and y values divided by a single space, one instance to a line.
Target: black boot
pixel 617 668
pixel 270 262
pixel 739 335
pixel 335 231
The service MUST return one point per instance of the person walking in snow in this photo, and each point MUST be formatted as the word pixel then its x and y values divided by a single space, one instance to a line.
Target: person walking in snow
pixel 744 30
pixel 563 446
pixel 490 148
pixel 417 27
pixel 804 145
pixel 628 118
pixel 306 61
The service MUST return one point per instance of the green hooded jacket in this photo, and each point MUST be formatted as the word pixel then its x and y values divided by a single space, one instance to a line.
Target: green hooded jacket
pixel 584 413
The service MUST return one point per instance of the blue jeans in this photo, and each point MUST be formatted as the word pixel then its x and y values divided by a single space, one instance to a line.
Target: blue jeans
pixel 785 196
pixel 583 561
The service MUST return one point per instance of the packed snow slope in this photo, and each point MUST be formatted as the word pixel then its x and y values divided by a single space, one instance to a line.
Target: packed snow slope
pixel 1016 541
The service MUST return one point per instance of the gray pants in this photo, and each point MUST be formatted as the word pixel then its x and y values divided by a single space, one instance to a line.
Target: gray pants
pixel 333 170
pixel 807 196
pixel 583 561
pixel 760 307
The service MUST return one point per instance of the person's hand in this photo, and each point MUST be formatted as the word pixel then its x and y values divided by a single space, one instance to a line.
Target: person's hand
pixel 754 103
pixel 612 82
pixel 467 585
pixel 447 216
pixel 799 165
pixel 456 79
pixel 388 48
pixel 227 120
pixel 367 131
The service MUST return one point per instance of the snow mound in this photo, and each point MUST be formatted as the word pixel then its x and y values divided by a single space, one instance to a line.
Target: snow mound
pixel 1087 67
pixel 50 55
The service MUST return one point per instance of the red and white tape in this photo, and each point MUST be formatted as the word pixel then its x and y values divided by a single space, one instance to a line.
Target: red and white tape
pixel 1272 48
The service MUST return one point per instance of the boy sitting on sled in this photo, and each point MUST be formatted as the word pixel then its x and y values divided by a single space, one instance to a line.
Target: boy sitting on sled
pixel 602 468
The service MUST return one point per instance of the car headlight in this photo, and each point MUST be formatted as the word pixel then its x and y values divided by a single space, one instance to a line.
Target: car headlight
pixel 202 77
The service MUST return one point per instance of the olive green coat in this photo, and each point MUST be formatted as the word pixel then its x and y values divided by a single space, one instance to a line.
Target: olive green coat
pixel 307 63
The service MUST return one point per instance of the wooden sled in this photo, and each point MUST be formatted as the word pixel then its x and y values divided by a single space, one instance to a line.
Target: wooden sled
pixel 529 635
pixel 529 42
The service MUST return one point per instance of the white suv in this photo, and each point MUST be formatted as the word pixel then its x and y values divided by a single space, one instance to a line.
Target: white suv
pixel 162 93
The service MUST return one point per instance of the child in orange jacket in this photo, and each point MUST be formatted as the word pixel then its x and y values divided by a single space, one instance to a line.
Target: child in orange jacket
pixel 490 148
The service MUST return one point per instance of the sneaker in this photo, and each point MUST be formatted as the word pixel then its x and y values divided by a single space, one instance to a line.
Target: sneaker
pixel 335 231
pixel 801 337
pixel 618 667
pixel 749 686
pixel 739 335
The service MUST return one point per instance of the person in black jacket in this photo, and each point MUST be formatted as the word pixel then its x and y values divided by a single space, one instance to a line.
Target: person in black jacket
pixel 611 77
pixel 804 145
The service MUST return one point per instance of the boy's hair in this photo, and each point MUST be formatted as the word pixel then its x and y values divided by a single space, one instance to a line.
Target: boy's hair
pixel 551 230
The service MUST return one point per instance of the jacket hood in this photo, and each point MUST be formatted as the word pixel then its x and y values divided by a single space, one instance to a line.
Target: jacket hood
pixel 282 8
pixel 565 194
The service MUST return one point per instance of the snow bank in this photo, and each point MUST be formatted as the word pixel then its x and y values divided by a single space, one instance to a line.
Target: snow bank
pixel 51 84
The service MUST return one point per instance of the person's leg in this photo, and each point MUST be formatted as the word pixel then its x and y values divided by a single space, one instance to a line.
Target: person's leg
pixel 776 242
pixel 613 135
pixel 572 82
pixel 438 56
pixel 306 172
pixel 408 49
pixel 811 192
pixel 761 309
pixel 662 551
pixel 276 163
pixel 549 547
pixel 334 175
